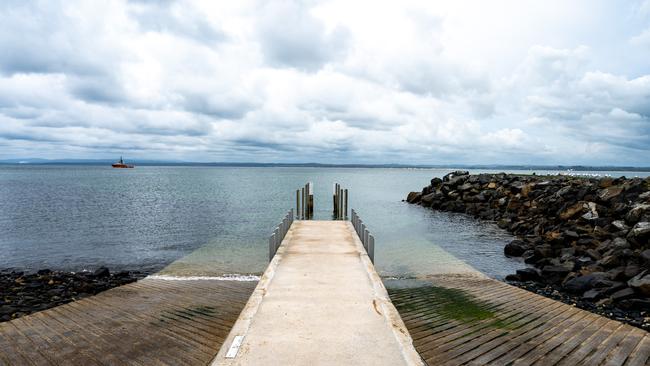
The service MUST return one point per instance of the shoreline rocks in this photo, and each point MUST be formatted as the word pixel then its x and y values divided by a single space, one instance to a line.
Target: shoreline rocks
pixel 25 293
pixel 587 238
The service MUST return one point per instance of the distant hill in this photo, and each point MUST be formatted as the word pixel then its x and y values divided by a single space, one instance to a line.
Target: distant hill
pixel 33 161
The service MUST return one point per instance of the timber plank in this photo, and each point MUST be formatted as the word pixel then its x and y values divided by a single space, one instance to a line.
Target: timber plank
pixel 149 322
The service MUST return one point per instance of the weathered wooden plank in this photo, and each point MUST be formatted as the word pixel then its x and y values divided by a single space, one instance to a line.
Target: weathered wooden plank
pixel 150 322
pixel 567 346
pixel 620 354
pixel 534 329
pixel 641 354
pixel 498 347
pixel 466 339
pixel 509 324
pixel 600 353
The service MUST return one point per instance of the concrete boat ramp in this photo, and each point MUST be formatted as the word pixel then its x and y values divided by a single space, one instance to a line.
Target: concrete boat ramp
pixel 320 302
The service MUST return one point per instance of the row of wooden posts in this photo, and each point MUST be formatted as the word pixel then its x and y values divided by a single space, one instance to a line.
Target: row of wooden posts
pixel 279 233
pixel 340 202
pixel 305 202
pixel 367 239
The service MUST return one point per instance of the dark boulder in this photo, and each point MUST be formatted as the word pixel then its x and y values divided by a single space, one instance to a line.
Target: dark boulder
pixel 609 193
pixel 427 199
pixel 641 283
pixel 593 294
pixel 101 272
pixel 554 274
pixel 619 295
pixel 528 274
pixel 583 283
pixel 640 230
pixel 414 197
pixel 515 248
pixel 457 173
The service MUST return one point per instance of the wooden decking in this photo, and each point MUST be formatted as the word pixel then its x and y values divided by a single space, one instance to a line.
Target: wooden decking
pixel 150 322
pixel 457 320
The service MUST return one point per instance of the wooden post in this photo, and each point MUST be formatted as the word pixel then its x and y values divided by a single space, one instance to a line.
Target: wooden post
pixel 345 206
pixel 278 240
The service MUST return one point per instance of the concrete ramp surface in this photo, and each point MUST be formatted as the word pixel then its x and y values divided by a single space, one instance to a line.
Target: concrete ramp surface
pixel 320 302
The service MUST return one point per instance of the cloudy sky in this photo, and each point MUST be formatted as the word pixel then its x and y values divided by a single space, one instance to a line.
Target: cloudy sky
pixel 477 82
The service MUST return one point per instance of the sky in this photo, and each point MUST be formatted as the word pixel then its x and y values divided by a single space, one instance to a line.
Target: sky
pixel 412 82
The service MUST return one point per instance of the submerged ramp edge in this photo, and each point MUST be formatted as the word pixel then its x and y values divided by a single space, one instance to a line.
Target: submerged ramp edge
pixel 320 301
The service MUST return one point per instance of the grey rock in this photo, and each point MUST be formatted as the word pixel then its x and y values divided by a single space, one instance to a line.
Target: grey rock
pixel 528 274
pixel 640 229
pixel 636 212
pixel 414 197
pixel 515 248
pixel 554 274
pixel 625 293
pixel 641 283
pixel 593 294
pixel 645 255
pixel 608 193
pixel 620 225
pixel 428 198
pixel 620 243
pixel 101 272
pixel 583 283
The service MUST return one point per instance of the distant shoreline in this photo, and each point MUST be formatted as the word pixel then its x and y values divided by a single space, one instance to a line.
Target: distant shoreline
pixel 563 168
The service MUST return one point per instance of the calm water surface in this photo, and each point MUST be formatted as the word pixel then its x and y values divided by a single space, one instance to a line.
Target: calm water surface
pixel 213 220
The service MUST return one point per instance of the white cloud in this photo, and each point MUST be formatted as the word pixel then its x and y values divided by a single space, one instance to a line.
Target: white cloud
pixel 329 81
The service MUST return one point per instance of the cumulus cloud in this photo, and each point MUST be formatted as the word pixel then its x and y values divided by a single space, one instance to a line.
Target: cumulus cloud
pixel 290 36
pixel 328 81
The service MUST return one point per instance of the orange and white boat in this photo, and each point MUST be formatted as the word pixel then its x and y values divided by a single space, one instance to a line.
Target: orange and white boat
pixel 120 164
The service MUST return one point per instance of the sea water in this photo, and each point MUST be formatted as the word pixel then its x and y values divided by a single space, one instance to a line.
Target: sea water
pixel 215 221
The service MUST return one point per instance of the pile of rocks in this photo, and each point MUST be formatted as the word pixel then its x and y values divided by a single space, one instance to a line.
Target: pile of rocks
pixel 22 294
pixel 587 236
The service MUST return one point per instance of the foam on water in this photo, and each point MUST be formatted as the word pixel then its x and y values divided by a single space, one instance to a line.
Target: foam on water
pixel 227 277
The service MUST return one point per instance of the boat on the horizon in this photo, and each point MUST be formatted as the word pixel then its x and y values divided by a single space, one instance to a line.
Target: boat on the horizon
pixel 122 165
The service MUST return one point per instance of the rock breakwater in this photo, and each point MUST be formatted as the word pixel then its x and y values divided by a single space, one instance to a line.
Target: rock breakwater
pixel 586 237
pixel 25 293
